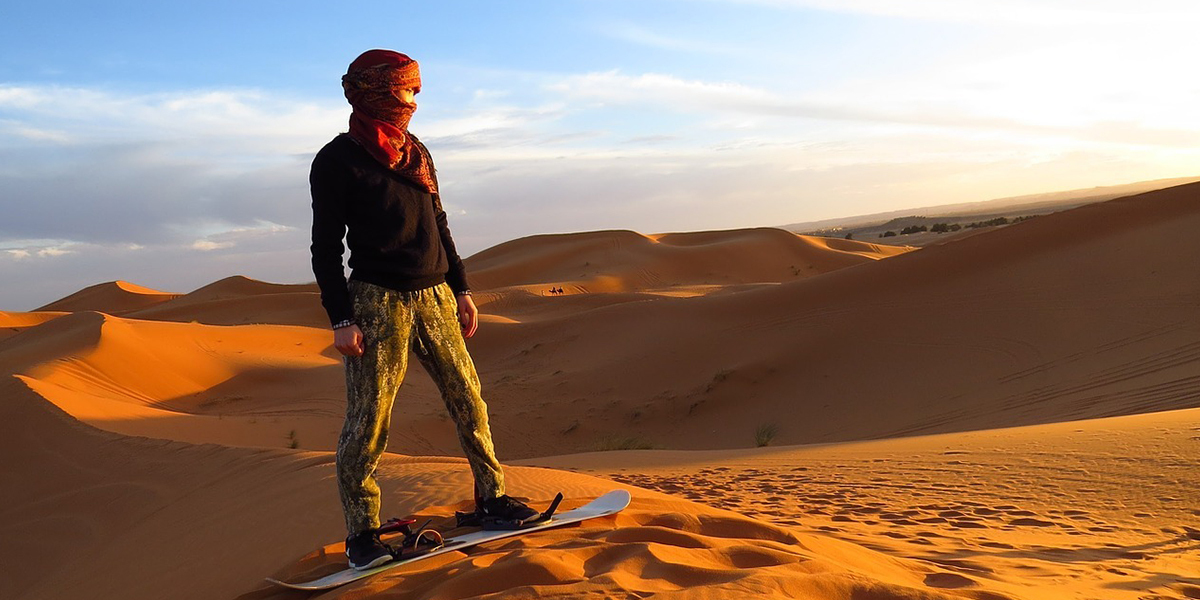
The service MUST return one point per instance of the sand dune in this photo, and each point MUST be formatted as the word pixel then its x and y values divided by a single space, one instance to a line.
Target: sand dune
pixel 1086 313
pixel 625 266
pixel 1053 319
pixel 12 322
pixel 147 517
pixel 249 385
pixel 1104 508
pixel 239 300
pixel 706 342
pixel 113 297
pixel 624 261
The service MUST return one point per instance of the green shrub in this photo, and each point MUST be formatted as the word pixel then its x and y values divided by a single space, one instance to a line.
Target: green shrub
pixel 765 434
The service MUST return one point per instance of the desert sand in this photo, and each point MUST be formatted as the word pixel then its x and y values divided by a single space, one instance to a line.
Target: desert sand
pixel 1012 414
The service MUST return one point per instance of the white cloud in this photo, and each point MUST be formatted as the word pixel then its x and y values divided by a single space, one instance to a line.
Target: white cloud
pixel 993 96
pixel 1041 13
pixel 210 245
pixel 195 122
pixel 665 90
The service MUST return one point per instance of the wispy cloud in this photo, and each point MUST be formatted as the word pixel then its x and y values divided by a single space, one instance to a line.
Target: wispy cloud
pixel 197 120
pixel 966 103
pixel 644 36
pixel 1039 13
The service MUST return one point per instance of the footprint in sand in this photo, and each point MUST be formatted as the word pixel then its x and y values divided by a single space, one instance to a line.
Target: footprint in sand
pixel 948 580
pixel 1030 522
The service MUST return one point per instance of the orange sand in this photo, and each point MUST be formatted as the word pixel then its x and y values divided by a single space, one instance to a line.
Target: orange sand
pixel 148 435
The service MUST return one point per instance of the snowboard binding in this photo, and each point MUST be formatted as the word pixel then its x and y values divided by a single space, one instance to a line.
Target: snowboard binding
pixel 415 542
pixel 490 523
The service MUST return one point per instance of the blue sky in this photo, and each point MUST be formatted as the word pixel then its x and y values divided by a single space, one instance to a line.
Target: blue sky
pixel 168 143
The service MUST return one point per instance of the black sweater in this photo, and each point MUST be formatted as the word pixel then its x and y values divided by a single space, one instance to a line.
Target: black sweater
pixel 398 236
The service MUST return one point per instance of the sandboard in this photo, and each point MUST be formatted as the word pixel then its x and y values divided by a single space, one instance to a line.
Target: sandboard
pixel 609 504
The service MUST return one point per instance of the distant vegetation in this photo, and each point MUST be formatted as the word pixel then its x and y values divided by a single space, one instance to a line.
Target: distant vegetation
pixel 952 227
pixel 999 221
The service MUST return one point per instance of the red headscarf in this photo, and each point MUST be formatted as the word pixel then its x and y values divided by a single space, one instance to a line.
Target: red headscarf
pixel 380 119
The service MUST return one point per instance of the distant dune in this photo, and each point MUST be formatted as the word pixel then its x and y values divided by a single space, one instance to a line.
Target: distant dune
pixel 113 297
pixel 1043 203
pixel 625 261
pixel 239 300
pixel 1081 314
pixel 602 268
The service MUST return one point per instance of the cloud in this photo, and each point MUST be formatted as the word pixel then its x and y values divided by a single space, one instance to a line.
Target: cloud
pixel 96 166
pixel 637 34
pixel 177 189
pixel 198 121
pixel 210 245
pixel 1075 106
pixel 1039 13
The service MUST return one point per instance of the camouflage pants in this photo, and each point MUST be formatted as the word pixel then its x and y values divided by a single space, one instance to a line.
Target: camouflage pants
pixel 393 322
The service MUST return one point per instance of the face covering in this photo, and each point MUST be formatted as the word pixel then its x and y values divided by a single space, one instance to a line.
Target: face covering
pixel 379 121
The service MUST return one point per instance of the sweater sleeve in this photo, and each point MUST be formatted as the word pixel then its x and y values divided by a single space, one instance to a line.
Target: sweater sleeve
pixel 328 184
pixel 456 275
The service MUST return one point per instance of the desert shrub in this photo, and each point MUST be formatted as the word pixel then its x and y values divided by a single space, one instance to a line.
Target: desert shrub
pixel 765 434
pixel 945 227
pixel 989 223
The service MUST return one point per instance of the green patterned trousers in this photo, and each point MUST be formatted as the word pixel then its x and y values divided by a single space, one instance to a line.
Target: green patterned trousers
pixel 393 322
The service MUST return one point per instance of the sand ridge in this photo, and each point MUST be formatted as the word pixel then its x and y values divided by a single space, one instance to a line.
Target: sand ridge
pixel 113 297
pixel 619 263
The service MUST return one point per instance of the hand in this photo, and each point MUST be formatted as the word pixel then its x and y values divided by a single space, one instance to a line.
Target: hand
pixel 468 315
pixel 349 340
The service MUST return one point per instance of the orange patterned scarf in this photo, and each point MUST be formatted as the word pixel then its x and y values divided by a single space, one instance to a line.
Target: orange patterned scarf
pixel 379 121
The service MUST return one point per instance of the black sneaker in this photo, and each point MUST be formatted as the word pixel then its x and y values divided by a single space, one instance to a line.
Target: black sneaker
pixel 506 509
pixel 366 550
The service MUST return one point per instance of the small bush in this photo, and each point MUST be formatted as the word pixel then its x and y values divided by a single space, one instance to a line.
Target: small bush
pixel 293 441
pixel 765 434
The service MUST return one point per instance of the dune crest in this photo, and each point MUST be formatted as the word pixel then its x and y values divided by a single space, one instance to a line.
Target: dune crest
pixel 240 300
pixel 112 297
pixel 625 261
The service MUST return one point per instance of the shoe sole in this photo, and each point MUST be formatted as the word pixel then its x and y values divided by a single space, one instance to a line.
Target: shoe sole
pixel 375 563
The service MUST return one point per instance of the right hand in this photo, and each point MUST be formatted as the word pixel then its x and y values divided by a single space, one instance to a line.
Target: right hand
pixel 349 340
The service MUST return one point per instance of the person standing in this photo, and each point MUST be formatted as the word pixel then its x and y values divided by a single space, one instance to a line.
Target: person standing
pixel 377 186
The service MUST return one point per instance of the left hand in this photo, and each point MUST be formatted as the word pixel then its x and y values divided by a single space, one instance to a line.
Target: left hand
pixel 468 315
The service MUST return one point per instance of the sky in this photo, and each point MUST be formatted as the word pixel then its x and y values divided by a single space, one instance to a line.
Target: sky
pixel 168 143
